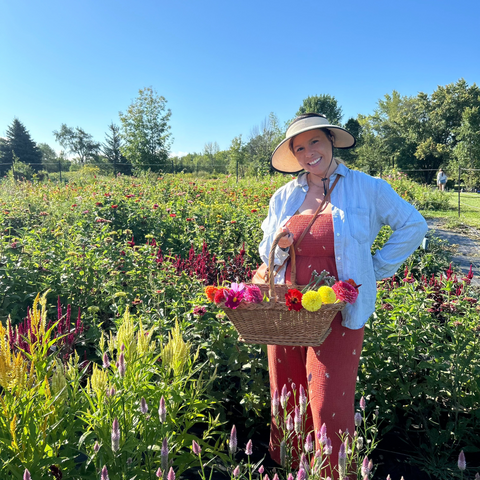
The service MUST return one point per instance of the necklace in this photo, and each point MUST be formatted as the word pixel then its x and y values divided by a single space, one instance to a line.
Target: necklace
pixel 324 180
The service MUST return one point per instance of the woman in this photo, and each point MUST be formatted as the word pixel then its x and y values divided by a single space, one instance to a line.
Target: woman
pixel 339 241
pixel 441 180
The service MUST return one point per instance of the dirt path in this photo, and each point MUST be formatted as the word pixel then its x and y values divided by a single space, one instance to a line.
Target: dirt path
pixel 468 246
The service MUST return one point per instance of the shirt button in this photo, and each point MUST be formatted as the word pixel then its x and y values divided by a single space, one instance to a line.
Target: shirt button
pixel 338 258
pixel 338 234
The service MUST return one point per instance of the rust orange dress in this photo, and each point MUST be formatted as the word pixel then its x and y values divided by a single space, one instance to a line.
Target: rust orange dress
pixel 327 372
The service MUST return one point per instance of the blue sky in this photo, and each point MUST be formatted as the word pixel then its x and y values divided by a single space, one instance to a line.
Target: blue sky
pixel 223 66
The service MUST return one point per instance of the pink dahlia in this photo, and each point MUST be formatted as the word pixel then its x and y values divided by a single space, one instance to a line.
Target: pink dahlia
pixel 253 294
pixel 345 292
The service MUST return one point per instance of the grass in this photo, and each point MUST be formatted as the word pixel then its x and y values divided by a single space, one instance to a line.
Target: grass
pixel 469 210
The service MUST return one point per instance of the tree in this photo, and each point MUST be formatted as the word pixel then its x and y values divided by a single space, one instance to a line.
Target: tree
pixel 112 149
pixel 325 104
pixel 350 155
pixel 77 142
pixel 211 150
pixel 19 143
pixel 262 143
pixel 145 131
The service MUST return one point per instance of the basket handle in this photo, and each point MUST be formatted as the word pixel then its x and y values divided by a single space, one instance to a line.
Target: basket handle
pixel 271 265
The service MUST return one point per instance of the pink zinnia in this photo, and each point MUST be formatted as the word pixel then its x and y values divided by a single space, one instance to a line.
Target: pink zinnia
pixel 235 295
pixel 253 294
pixel 345 292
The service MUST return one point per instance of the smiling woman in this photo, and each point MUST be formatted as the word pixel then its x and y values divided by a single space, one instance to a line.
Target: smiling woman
pixel 339 240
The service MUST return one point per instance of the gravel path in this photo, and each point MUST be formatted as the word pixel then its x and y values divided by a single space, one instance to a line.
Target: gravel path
pixel 467 242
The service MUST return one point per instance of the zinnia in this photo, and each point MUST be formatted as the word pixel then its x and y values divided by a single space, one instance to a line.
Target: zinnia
pixel 235 295
pixel 311 301
pixel 253 294
pixel 293 299
pixel 210 292
pixel 220 295
pixel 327 294
pixel 345 292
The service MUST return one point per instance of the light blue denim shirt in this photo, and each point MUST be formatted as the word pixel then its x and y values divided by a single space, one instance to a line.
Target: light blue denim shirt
pixel 361 205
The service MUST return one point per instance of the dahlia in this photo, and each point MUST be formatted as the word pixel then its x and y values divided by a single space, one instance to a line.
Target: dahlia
pixel 293 299
pixel 345 292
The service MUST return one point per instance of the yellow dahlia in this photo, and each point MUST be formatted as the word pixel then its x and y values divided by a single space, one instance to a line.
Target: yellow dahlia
pixel 327 294
pixel 311 301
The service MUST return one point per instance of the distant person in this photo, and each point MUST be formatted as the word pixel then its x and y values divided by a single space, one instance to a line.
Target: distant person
pixel 441 180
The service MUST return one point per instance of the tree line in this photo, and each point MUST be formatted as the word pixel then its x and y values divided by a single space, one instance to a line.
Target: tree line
pixel 418 134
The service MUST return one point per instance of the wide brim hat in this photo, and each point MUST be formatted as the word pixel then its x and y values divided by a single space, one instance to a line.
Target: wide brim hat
pixel 284 161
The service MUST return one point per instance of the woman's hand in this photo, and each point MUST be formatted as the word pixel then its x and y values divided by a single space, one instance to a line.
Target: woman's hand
pixel 287 240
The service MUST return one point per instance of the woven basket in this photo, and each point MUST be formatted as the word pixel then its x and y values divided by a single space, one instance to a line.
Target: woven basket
pixel 273 324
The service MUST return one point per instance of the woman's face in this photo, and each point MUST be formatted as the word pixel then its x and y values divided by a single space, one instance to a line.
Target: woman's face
pixel 313 150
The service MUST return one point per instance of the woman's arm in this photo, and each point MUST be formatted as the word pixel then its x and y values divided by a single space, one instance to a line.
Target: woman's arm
pixel 409 229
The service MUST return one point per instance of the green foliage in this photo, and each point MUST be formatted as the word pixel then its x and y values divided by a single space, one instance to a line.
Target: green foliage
pixel 420 365
pixel 19 146
pixel 112 149
pixel 325 104
pixel 78 143
pixel 145 131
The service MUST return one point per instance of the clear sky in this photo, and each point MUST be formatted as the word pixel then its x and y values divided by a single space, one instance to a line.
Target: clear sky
pixel 223 66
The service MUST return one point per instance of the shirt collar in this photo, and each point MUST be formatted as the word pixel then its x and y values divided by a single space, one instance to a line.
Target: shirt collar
pixel 301 180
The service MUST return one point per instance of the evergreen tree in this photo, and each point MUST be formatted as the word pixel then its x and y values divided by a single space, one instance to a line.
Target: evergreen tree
pixel 19 143
pixel 111 148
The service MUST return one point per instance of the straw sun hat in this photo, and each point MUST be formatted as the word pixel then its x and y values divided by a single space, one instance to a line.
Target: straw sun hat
pixel 283 159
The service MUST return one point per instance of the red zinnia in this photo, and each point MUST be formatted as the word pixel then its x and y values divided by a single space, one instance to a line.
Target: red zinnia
pixel 293 299
pixel 114 206
pixel 173 215
pixel 220 295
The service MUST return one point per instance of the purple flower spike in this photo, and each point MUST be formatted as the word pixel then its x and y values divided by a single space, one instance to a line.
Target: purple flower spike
pixel 284 397
pixel 302 474
pixel 122 368
pixel 106 360
pixel 164 455
pixel 159 473
pixel 275 403
pixel 289 423
pixel 275 477
pixel 266 477
pixel 171 474
pixel 232 446
pixel 236 472
pixel 26 475
pixel 358 419
pixel 297 420
pixel 309 443
pixel 196 448
pixel 249 448
pixel 363 403
pixel 342 461
pixel 327 448
pixel 143 406
pixel 462 464
pixel 302 400
pixel 162 411
pixel 115 435
pixel 290 476
pixel 104 474
pixel 365 469
pixel 96 447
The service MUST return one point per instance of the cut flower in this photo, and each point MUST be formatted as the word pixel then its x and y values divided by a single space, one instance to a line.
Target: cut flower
pixel 327 294
pixel 311 301
pixel 293 299
pixel 345 292
pixel 235 295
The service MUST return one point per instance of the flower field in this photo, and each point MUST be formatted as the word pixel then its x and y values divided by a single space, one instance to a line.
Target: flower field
pixel 120 363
